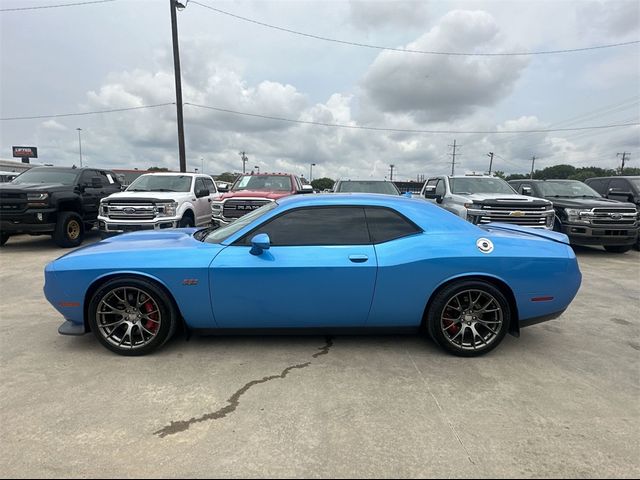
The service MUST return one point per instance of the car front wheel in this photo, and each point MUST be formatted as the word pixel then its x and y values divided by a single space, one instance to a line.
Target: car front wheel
pixel 3 238
pixel 469 318
pixel 131 316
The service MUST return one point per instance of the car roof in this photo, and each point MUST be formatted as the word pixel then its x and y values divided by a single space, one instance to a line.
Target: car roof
pixel 426 215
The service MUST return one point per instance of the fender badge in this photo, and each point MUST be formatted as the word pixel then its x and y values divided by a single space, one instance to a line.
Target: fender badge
pixel 484 245
pixel 190 281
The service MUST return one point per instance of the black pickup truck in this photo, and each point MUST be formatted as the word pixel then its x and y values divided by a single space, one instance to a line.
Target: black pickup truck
pixel 61 202
pixel 584 215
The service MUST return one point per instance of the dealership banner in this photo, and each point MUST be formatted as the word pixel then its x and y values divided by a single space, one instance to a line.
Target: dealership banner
pixel 25 153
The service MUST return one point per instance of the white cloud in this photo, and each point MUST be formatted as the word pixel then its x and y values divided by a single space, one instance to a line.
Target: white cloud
pixel 369 15
pixel 442 88
pixel 53 125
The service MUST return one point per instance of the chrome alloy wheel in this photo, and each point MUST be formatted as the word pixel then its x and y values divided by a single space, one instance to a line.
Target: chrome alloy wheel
pixel 128 317
pixel 471 319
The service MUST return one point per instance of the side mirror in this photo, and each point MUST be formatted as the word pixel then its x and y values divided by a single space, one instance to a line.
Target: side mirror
pixel 430 192
pixel 259 244
pixel 222 187
pixel 202 193
pixel 306 189
pixel 526 191
pixel 438 198
pixel 123 187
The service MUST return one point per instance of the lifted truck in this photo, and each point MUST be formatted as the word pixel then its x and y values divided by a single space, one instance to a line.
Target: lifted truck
pixel 584 216
pixel 484 199
pixel 56 201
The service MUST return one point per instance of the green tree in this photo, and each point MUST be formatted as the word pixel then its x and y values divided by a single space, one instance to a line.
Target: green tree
pixel 227 177
pixel 322 183
pixel 556 171
pixel 499 173
pixel 157 169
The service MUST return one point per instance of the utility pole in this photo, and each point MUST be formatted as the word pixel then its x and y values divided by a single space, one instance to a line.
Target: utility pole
pixel 174 5
pixel 490 155
pixel 533 161
pixel 80 147
pixel 453 157
pixel 392 166
pixel 244 157
pixel 624 158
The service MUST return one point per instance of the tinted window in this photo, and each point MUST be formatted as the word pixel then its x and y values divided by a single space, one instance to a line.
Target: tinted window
pixel 385 225
pixel 199 185
pixel 208 184
pixel 316 226
pixel 619 184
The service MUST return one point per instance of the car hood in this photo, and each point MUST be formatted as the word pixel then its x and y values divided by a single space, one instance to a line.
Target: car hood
pixel 147 195
pixel 255 194
pixel 479 197
pixel 569 202
pixel 34 187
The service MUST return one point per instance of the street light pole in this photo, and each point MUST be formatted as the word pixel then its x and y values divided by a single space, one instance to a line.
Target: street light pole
pixel 173 5
pixel 311 165
pixel 80 145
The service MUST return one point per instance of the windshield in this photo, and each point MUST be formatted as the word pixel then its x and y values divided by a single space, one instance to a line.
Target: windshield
pixel 567 189
pixel 469 185
pixel 161 183
pixel 635 182
pixel 270 183
pixel 65 177
pixel 367 186
pixel 222 233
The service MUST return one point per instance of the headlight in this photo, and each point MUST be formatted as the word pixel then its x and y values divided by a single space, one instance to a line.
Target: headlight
pixel 574 215
pixel 37 199
pixel 216 208
pixel 103 210
pixel 167 209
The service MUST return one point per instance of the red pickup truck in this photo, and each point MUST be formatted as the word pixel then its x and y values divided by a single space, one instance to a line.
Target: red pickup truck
pixel 252 191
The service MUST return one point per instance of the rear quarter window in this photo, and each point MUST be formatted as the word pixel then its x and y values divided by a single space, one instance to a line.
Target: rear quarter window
pixel 386 225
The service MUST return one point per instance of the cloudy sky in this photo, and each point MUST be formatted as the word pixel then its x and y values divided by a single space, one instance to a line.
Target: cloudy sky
pixel 118 55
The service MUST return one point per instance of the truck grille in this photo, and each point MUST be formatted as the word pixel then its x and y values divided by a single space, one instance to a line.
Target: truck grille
pixel 612 216
pixel 12 202
pixel 131 211
pixel 525 214
pixel 236 208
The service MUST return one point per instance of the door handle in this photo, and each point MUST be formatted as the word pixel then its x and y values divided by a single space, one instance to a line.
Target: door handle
pixel 358 258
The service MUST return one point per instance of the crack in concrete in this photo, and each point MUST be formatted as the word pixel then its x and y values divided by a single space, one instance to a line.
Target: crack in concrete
pixel 234 401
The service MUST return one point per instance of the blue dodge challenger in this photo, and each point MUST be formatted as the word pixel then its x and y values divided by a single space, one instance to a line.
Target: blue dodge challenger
pixel 321 264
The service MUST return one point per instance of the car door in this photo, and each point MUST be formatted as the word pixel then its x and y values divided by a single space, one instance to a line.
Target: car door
pixel 202 203
pixel 91 193
pixel 319 271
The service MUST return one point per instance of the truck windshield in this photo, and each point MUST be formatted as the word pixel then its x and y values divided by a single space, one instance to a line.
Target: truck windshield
pixel 270 183
pixel 45 175
pixel 222 233
pixel 470 185
pixel 567 189
pixel 161 183
pixel 367 186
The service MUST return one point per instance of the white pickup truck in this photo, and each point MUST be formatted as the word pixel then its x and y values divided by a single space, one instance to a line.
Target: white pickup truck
pixel 159 200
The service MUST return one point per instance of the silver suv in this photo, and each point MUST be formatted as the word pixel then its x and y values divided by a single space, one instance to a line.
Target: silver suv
pixel 482 199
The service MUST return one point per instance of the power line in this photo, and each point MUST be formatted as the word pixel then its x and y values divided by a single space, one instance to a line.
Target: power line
pixel 55 6
pixel 403 130
pixel 406 50
pixel 56 115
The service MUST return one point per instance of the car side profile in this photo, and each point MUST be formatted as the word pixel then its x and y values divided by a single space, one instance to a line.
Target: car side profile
pixel 381 262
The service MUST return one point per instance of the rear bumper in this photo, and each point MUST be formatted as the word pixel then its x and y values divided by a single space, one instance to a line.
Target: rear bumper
pixel 543 318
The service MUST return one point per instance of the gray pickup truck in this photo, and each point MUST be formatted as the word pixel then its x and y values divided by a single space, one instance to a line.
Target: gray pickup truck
pixel 482 199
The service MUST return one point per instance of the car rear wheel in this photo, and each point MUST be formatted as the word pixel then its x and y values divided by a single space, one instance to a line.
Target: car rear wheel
pixel 469 318
pixel 3 238
pixel 618 248
pixel 69 230
pixel 131 316
pixel 186 221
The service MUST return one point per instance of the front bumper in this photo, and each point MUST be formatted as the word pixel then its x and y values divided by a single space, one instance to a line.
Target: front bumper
pixel 113 227
pixel 29 221
pixel 580 234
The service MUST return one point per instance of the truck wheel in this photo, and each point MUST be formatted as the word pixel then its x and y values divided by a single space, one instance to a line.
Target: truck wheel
pixel 618 248
pixel 3 238
pixel 185 222
pixel 69 230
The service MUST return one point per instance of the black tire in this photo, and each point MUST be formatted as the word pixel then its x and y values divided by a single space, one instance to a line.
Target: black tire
pixel 69 230
pixel 618 248
pixel 3 239
pixel 491 326
pixel 145 334
pixel 186 221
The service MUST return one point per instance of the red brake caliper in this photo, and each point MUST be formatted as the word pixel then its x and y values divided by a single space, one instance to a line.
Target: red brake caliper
pixel 150 325
pixel 450 327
